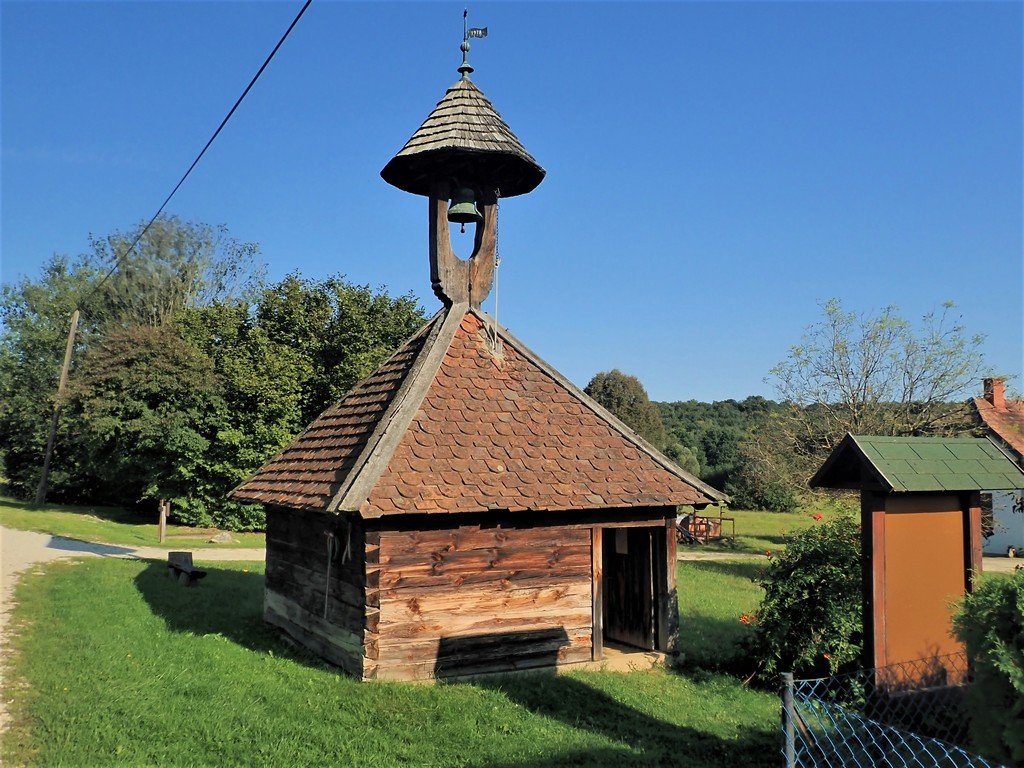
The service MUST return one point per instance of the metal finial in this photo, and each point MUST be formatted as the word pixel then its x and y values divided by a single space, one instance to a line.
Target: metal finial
pixel 468 32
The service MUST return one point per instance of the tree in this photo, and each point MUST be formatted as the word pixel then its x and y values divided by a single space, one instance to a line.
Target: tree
pixel 34 316
pixel 146 410
pixel 627 399
pixel 871 375
pixel 991 624
pixel 176 264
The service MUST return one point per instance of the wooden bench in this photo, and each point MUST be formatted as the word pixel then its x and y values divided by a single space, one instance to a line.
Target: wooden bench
pixel 180 568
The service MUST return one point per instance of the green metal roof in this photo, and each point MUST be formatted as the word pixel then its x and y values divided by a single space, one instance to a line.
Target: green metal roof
pixel 905 464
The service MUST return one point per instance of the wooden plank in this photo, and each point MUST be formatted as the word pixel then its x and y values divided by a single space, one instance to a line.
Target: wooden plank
pixel 280 572
pixel 671 645
pixel 345 639
pixel 520 556
pixel 873 564
pixel 662 619
pixel 351 662
pixel 481 601
pixel 972 540
pixel 350 572
pixel 473 537
pixel 426 670
pixel 410 581
pixel 596 597
pixel 480 624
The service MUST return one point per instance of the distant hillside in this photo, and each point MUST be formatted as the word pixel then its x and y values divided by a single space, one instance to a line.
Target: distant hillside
pixel 713 432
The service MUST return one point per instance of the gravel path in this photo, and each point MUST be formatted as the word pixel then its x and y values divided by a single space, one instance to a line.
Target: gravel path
pixel 20 550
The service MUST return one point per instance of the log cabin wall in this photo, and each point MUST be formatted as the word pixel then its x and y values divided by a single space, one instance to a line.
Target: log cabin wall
pixel 296 575
pixel 471 600
pixel 489 597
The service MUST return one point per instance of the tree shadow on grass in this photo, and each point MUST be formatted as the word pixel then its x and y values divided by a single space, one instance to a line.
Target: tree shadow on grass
pixel 743 569
pixel 644 740
pixel 227 602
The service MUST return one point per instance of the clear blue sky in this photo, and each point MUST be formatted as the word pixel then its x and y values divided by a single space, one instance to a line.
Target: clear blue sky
pixel 714 170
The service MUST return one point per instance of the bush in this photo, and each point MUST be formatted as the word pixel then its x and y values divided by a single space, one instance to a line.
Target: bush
pixel 811 617
pixel 991 624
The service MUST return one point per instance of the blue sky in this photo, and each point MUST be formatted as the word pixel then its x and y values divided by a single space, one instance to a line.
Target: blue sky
pixel 715 170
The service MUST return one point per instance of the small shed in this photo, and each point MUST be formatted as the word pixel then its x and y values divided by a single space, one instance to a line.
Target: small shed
pixel 465 508
pixel 921 533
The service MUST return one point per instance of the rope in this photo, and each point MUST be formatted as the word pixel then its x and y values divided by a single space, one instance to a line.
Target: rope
pixel 331 554
pixel 492 329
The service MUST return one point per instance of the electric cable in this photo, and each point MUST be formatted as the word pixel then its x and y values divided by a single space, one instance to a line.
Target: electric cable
pixel 119 259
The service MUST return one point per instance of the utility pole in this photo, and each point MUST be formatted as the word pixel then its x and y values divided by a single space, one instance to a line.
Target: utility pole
pixel 41 489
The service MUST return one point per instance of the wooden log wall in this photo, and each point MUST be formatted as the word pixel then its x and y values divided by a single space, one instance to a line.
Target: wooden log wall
pixel 474 599
pixel 298 590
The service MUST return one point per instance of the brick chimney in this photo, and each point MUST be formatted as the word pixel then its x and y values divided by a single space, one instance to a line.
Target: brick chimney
pixel 995 393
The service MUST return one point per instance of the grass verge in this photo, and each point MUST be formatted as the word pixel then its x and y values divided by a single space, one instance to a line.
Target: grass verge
pixel 110 525
pixel 758 532
pixel 116 665
pixel 713 594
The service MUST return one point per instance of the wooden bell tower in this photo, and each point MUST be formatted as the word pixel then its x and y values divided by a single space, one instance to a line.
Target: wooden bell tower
pixel 463 145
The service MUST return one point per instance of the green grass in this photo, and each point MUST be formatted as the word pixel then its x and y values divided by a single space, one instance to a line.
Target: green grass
pixel 116 665
pixel 758 532
pixel 713 595
pixel 109 525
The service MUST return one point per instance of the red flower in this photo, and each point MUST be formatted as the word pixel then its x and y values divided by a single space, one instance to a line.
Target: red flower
pixel 767 553
pixel 827 657
pixel 817 516
pixel 745 619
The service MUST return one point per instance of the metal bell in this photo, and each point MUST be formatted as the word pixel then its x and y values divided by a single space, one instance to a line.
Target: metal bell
pixel 462 209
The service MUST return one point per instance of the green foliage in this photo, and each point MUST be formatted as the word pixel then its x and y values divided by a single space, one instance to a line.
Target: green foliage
pixel 683 456
pixel 176 264
pixel 627 399
pixel 868 375
pixel 811 617
pixel 145 406
pixel 187 374
pixel 34 319
pixel 991 624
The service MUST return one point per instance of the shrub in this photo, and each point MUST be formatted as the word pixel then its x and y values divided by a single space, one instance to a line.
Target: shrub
pixel 811 615
pixel 991 624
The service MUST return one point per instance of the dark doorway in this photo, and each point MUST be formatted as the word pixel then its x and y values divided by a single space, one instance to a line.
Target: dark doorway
pixel 629 595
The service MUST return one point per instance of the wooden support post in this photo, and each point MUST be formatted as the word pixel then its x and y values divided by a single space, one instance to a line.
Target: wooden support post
pixel 44 479
pixel 597 594
pixel 165 508
pixel 971 504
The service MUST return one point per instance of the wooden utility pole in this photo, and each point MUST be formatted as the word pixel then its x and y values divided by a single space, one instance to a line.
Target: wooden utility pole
pixel 41 488
pixel 165 507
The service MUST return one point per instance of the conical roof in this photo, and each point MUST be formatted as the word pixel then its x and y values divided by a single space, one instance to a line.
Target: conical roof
pixel 464 134
pixel 446 426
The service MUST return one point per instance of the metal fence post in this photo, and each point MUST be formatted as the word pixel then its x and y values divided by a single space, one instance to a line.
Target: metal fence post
pixel 788 719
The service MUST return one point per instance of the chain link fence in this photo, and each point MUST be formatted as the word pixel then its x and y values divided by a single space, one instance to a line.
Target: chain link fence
pixel 902 716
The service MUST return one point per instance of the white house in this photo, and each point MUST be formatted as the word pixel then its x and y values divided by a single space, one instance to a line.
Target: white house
pixel 1003 511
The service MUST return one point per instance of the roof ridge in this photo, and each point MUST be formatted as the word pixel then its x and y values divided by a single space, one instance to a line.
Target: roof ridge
pixel 402 409
pixel 603 413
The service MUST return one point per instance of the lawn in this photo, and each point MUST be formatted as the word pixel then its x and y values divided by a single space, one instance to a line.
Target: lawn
pixel 758 531
pixel 117 665
pixel 110 525
pixel 712 597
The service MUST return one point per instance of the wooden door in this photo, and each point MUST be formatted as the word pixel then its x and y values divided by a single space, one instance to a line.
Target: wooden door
pixel 629 603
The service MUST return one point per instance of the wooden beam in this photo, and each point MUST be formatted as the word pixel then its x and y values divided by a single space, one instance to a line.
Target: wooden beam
pixel 972 540
pixel 597 594
pixel 872 520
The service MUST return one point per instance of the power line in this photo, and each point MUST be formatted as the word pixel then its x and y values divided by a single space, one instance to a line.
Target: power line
pixel 118 260
pixel 44 478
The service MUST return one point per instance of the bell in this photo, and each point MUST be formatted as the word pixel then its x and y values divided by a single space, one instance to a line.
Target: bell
pixel 463 210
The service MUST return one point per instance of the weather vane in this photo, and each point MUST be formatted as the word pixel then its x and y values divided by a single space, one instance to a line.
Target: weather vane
pixel 467 33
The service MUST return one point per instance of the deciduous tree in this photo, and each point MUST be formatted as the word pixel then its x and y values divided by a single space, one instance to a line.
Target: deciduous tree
pixel 627 399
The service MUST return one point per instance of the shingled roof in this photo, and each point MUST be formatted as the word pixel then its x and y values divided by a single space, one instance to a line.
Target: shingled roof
pixel 1005 423
pixel 464 121
pixel 448 426
pixel 917 464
